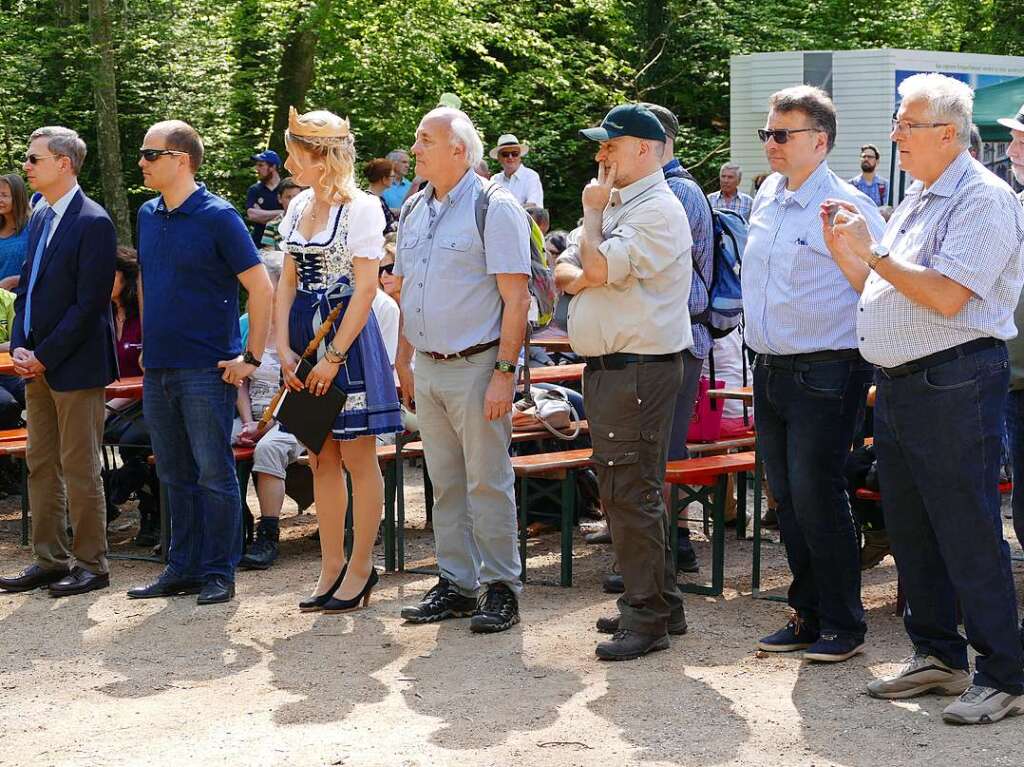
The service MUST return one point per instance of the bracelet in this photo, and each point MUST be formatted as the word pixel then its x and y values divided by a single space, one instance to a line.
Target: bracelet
pixel 334 356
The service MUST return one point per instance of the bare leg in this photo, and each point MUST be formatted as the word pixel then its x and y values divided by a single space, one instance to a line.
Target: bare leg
pixel 360 458
pixel 270 491
pixel 331 498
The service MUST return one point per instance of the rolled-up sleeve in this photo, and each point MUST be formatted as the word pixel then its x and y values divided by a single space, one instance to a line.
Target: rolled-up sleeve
pixel 645 243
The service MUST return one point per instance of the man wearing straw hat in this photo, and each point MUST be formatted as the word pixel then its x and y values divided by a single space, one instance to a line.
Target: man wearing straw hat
pixel 523 182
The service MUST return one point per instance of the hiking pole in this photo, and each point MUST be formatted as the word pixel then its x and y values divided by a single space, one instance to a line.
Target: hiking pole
pixel 311 348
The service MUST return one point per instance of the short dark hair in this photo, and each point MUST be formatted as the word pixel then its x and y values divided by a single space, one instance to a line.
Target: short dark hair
pixel 873 148
pixel 813 102
pixel 378 170
pixel 182 137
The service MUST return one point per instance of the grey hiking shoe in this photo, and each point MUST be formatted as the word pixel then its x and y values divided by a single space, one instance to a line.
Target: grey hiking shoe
pixel 982 705
pixel 920 674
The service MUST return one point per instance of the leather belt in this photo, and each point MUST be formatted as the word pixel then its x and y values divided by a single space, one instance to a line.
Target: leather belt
pixel 619 360
pixel 465 352
pixel 801 362
pixel 947 355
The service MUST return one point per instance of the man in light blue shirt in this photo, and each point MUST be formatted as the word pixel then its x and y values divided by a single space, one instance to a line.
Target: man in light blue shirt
pixel 464 306
pixel 809 379
pixel 395 194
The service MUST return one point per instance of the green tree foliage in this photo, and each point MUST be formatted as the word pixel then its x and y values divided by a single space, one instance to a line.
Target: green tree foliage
pixel 539 68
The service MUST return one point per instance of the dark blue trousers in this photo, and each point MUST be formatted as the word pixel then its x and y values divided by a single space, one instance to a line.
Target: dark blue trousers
pixel 806 418
pixel 938 437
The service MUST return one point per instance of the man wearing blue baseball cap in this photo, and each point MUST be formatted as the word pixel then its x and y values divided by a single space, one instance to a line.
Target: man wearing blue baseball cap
pixel 629 269
pixel 261 203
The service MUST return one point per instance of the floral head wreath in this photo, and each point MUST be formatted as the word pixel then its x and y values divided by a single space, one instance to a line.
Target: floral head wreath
pixel 316 134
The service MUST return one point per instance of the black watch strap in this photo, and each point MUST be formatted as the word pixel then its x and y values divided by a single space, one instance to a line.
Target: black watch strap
pixel 249 359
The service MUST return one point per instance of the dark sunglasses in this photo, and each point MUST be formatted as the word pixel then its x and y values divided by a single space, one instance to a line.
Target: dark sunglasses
pixel 389 268
pixel 33 159
pixel 507 155
pixel 781 135
pixel 151 155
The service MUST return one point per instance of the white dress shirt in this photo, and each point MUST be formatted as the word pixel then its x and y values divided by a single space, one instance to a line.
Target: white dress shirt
pixel 524 184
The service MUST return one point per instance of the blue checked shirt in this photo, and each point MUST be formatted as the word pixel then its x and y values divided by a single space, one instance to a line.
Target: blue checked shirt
pixel 699 215
pixel 795 298
pixel 740 203
pixel 968 226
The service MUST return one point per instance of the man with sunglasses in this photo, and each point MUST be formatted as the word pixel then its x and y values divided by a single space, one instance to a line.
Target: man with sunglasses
pixel 194 250
pixel 875 188
pixel 810 381
pixel 938 293
pixel 63 346
pixel 522 182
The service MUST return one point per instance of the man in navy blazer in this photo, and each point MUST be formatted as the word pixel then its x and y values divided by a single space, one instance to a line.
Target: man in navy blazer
pixel 63 345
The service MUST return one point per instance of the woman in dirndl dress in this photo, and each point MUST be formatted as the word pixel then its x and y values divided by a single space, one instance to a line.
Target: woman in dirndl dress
pixel 333 234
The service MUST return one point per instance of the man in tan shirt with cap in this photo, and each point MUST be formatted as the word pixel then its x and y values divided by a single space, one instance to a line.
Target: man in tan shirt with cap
pixel 629 268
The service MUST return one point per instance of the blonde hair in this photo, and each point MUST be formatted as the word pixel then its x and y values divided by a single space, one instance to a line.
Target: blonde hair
pixel 338 153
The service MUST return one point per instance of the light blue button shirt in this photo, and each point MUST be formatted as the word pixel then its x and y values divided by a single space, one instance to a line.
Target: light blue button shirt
pixel 450 297
pixel 795 298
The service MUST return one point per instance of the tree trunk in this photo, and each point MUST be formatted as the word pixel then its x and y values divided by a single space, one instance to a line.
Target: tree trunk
pixel 108 138
pixel 297 70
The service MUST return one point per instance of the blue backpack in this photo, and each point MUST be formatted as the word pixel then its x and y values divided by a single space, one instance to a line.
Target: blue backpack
pixel 725 296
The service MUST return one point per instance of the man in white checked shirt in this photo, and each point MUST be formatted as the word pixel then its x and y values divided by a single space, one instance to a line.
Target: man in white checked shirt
pixel 938 293
pixel 810 382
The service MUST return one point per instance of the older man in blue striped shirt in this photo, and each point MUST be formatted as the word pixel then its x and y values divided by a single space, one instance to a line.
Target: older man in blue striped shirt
pixel 936 309
pixel 809 379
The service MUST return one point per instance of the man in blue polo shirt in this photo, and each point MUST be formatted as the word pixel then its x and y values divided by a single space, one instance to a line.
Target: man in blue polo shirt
pixel 193 251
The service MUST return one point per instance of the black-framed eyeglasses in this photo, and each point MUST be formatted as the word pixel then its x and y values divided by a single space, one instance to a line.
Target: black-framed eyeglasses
pixel 389 268
pixel 33 159
pixel 508 155
pixel 905 127
pixel 151 155
pixel 781 135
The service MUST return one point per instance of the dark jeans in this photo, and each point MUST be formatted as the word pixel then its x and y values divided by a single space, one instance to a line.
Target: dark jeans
pixel 12 401
pixel 189 413
pixel 806 418
pixel 630 413
pixel 1015 432
pixel 938 435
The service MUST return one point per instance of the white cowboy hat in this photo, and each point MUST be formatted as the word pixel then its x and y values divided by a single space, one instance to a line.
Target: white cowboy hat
pixel 507 140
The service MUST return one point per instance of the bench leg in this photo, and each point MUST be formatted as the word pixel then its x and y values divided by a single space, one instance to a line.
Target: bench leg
pixel 428 496
pixel 243 470
pixel 349 532
pixel 718 537
pixel 389 518
pixel 523 508
pixel 568 520
pixel 24 502
pixel 741 506
pixel 400 503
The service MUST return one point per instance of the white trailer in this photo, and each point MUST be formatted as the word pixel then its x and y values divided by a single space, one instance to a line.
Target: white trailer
pixel 863 86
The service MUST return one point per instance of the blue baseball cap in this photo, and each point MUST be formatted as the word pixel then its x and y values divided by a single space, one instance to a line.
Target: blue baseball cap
pixel 633 120
pixel 269 156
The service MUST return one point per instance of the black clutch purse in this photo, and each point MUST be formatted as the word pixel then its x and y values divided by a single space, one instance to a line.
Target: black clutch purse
pixel 309 417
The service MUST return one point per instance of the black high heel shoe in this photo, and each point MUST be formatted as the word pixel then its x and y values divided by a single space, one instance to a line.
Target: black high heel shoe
pixel 334 606
pixel 317 602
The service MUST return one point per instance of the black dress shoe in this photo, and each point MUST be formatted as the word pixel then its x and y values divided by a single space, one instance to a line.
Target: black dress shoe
pixel 628 645
pixel 612 584
pixel 315 603
pixel 166 585
pixel 32 577
pixel 216 589
pixel 686 560
pixel 600 536
pixel 79 581
pixel 611 626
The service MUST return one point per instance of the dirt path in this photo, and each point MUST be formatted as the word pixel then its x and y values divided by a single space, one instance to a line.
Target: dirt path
pixel 101 680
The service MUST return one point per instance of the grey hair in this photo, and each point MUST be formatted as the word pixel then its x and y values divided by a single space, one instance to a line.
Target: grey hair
pixel 948 100
pixel 732 166
pixel 813 102
pixel 464 133
pixel 63 142
pixel 397 154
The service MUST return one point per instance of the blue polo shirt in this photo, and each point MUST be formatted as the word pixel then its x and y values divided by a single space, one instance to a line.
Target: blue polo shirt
pixel 190 259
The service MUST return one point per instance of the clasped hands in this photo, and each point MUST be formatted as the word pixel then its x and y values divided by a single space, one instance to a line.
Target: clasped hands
pixel 848 234
pixel 26 364
pixel 317 382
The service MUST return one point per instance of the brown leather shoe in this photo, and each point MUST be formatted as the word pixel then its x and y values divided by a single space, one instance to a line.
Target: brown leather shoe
pixel 610 625
pixel 629 645
pixel 32 577
pixel 79 581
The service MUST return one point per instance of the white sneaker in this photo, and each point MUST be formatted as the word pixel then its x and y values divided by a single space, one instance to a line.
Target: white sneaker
pixel 920 674
pixel 982 705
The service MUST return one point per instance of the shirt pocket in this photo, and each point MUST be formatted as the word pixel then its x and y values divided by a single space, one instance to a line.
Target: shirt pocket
pixel 810 262
pixel 459 260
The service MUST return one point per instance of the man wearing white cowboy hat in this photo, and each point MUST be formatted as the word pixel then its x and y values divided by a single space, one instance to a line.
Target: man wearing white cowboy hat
pixel 523 182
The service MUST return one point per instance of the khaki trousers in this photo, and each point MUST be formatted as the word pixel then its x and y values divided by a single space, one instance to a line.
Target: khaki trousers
pixel 65 437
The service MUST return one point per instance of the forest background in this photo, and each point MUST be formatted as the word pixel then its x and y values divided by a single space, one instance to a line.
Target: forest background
pixel 538 68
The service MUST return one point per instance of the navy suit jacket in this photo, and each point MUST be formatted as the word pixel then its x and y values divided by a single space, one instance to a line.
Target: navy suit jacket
pixel 72 331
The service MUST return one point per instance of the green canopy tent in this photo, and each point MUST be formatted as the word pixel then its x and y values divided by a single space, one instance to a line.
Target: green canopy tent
pixel 1003 100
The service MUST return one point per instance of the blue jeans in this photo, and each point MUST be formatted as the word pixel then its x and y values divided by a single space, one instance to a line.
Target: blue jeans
pixel 938 437
pixel 806 418
pixel 189 414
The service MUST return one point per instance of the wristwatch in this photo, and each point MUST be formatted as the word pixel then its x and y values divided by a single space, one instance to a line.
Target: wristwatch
pixel 878 252
pixel 249 359
pixel 334 356
pixel 505 366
